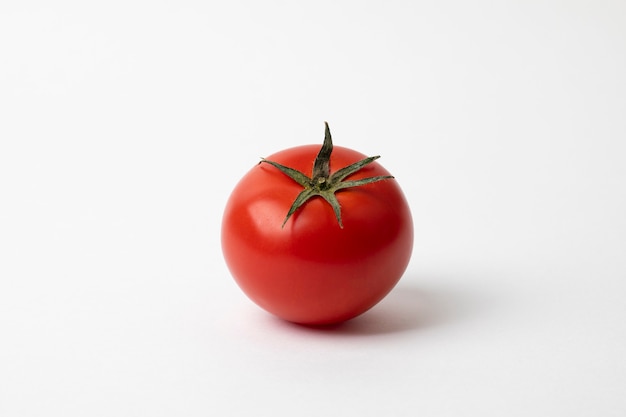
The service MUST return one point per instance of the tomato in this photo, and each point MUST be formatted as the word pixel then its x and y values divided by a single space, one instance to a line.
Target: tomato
pixel 317 262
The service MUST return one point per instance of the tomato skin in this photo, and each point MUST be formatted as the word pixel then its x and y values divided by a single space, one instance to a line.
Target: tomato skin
pixel 311 271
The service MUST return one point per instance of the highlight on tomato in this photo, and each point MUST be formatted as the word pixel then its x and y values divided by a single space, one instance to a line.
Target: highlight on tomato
pixel 317 236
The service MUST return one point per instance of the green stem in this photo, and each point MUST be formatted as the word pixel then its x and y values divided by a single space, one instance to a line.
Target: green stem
pixel 323 184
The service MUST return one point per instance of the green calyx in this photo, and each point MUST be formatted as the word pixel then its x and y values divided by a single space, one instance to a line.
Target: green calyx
pixel 321 183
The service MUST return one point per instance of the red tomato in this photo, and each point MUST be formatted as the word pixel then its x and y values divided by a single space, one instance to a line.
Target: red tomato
pixel 309 269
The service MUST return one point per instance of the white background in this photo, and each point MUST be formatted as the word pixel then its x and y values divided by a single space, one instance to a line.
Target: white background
pixel 124 126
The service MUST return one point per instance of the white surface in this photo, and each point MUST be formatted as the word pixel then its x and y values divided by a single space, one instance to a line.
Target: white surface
pixel 124 126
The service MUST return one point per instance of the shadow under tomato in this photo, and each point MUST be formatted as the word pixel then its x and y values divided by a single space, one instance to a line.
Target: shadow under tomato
pixel 407 308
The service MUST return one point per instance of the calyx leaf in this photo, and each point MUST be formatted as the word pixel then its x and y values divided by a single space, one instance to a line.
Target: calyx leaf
pixel 321 183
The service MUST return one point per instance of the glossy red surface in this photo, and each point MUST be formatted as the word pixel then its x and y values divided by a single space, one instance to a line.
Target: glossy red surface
pixel 311 271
